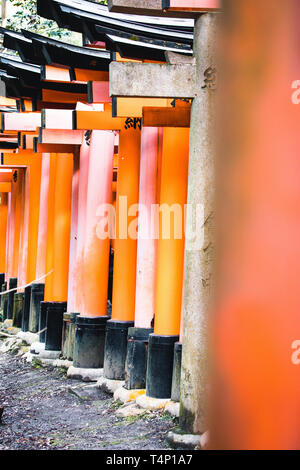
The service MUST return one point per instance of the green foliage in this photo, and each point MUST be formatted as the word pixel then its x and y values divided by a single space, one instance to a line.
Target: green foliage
pixel 26 17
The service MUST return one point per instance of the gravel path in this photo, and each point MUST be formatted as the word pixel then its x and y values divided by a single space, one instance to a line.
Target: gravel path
pixel 45 410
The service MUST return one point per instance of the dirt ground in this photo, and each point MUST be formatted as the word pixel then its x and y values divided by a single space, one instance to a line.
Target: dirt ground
pixel 44 410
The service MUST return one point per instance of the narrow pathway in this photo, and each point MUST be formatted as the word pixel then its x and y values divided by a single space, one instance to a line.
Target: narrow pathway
pixel 43 409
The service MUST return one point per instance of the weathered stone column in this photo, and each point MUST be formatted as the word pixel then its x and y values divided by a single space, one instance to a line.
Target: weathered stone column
pixel 199 258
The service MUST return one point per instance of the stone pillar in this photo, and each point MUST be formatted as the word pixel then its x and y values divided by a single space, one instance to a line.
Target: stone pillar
pixel 199 259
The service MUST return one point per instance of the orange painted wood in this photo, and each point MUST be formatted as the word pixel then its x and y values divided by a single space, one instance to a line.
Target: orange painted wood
pixel 193 5
pixel 7 102
pixel 6 176
pixel 83 75
pixel 58 238
pixel 40 105
pixel 57 119
pixel 56 74
pixel 33 220
pixel 124 281
pixel 18 191
pixel 97 246
pixel 72 281
pixel 48 296
pixel 63 96
pixel 166 117
pixel 133 107
pixel 43 218
pixel 21 121
pixel 256 322
pixel 170 257
pixel 53 148
pixel 100 92
pixel 3 229
pixel 98 120
pixel 60 136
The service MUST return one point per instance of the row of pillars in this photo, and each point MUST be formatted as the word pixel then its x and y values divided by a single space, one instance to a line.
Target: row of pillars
pixel 61 202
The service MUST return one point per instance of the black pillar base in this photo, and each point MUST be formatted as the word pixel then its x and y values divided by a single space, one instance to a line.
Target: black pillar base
pixel 175 395
pixel 18 308
pixel 69 335
pixel 43 321
pixel 116 349
pixel 2 278
pixel 136 360
pixel 37 296
pixel 13 282
pixel 89 342
pixel 26 308
pixel 54 324
pixel 160 365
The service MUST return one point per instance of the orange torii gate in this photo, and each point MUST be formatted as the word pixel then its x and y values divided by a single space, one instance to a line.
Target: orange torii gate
pixel 256 323
pixel 193 79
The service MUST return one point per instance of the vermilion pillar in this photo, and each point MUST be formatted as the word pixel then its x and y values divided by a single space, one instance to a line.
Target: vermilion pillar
pixel 82 201
pixel 3 229
pixel 15 222
pixel 256 322
pixel 58 245
pixel 90 331
pixel 146 262
pixel 170 261
pixel 124 282
pixel 72 285
pixel 43 217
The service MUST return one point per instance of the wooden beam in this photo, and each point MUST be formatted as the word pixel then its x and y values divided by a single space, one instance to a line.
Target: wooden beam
pixel 98 92
pixel 50 73
pixel 52 148
pixel 6 176
pixel 63 96
pixel 83 75
pixel 152 80
pixel 60 136
pixel 197 6
pixel 5 187
pixel 133 107
pixel 166 117
pixel 20 121
pixel 57 119
pixel 7 102
pixel 98 120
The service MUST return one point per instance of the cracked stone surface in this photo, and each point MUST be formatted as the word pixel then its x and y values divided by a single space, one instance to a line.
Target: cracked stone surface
pixel 43 409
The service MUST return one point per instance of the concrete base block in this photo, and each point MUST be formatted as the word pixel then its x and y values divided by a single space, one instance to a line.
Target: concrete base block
pixel 125 396
pixel 27 337
pixel 172 408
pixel 30 357
pixel 37 347
pixel 184 441
pixel 87 375
pixel 45 354
pixel 7 324
pixel 153 404
pixel 10 345
pixel 130 410
pixel 110 386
